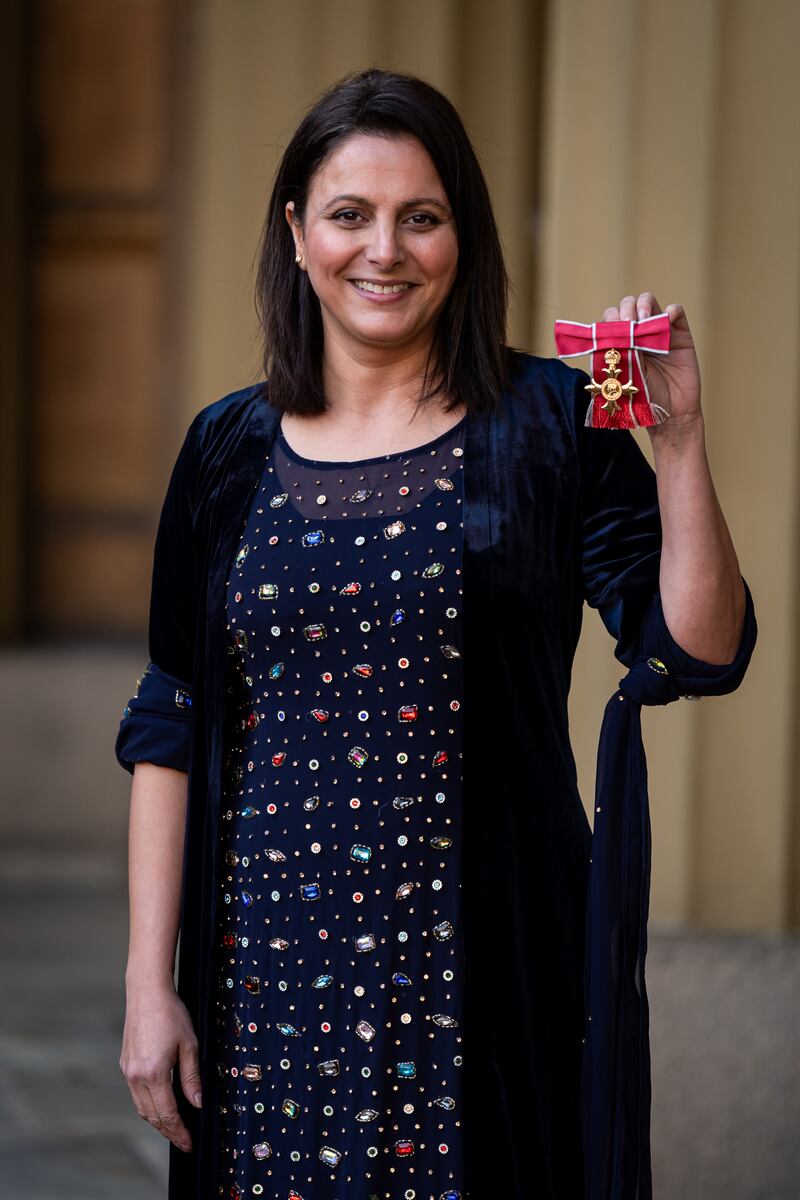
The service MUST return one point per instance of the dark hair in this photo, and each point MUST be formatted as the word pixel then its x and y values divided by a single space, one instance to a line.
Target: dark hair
pixel 469 358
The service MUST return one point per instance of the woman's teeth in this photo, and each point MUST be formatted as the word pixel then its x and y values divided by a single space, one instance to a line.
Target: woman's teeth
pixel 379 287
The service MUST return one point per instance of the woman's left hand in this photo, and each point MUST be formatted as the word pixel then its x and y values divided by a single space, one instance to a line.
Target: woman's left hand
pixel 673 379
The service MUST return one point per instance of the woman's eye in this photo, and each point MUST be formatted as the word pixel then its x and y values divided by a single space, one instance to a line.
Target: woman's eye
pixel 349 213
pixel 421 220
pixel 428 218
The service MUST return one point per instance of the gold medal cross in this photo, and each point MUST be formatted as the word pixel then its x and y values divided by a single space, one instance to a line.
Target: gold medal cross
pixel 611 389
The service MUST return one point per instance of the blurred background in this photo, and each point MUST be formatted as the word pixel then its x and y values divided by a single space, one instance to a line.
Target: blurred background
pixel 628 145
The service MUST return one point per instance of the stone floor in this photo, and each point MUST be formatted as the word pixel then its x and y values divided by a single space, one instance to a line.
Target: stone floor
pixel 724 1028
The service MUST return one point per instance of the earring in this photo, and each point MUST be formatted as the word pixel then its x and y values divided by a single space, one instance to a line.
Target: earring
pixel 298 258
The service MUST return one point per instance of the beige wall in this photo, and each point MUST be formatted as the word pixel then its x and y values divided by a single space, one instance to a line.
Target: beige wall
pixel 628 145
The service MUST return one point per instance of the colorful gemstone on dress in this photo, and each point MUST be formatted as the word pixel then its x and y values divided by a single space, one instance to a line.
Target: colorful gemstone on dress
pixel 446 1102
pixel 404 490
pixel 357 755
pixel 397 617
pixel 444 1021
pixel 440 758
pixel 314 538
pixel 450 651
pixel 247 899
pixel 241 556
pixel 290 1108
pixel 329 1156
pixel 240 640
pixel 253 720
pixel 400 802
pixel 394 530
pixel 251 1071
pixel 310 803
pixel 275 855
pixel 252 984
pixel 326 677
pixel 320 714
pixel 314 633
pixel 310 891
pixel 408 712
pixel 403 663
pixel 363 715
pixel 361 854
pixel 401 980
pixel 362 669
pixel 322 981
pixel 364 942
pixel 329 1067
pixel 268 591
pixel 440 842
pixel 443 931
pixel 358 497
pixel 433 570
pixel 314 588
pixel 367 1114
pixel 407 1070
pixel 182 699
pixel 262 1150
pixel 287 1030
pixel 279 758
pixel 350 589
pixel 655 664
pixel 279 943
pixel 248 812
pixel 444 485
pixel 365 1031
pixel 276 670
pixel 279 500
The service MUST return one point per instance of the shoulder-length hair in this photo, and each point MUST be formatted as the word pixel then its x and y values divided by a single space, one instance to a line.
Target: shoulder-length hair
pixel 469 359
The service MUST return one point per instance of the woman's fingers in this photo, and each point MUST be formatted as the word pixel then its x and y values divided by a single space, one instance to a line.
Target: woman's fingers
pixel 189 1066
pixel 162 1113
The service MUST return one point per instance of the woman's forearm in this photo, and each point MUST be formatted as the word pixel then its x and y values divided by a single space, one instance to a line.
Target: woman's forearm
pixel 156 834
pixel 700 581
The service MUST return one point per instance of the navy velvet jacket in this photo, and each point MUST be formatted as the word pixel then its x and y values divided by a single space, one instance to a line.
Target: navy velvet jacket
pixel 556 1064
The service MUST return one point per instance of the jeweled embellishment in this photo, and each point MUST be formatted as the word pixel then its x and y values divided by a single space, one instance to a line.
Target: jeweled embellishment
pixel 315 633
pixel 314 538
pixel 433 571
pixel 357 755
pixel 408 713
pixel 441 843
pixel 310 891
pixel 275 855
pixel 249 811
pixel 446 1102
pixel 450 651
pixel 364 942
pixel 290 1107
pixel 366 1114
pixel 350 589
pixel 444 485
pixel 288 1030
pixel 443 931
pixel 279 500
pixel 365 1031
pixel 268 591
pixel 406 1070
pixel 330 1157
pixel 655 664
pixel 251 1071
pixel 241 556
pixel 440 758
pixel 182 699
pixel 362 669
pixel 320 714
pixel 329 1067
pixel 397 617
pixel 404 1147
pixel 322 981
pixel 276 670
pixel 404 891
pixel 358 497
pixel 444 1021
pixel 361 854
pixel 394 530
pixel 279 943
pixel 400 979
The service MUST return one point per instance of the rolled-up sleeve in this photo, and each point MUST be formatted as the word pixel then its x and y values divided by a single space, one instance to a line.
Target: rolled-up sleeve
pixel 157 722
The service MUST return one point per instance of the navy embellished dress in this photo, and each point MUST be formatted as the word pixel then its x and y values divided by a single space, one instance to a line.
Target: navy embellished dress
pixel 337 1012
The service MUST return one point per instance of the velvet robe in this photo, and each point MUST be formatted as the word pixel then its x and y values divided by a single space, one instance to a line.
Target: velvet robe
pixel 555 515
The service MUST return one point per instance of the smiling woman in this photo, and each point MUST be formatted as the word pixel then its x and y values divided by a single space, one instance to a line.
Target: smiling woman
pixel 368 588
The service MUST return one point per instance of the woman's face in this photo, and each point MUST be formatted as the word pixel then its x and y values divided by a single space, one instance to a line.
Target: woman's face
pixel 377 214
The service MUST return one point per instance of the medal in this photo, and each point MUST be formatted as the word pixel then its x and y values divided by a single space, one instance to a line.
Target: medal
pixel 618 390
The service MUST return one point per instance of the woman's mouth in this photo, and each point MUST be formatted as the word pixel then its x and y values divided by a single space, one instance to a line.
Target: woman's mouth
pixel 381 291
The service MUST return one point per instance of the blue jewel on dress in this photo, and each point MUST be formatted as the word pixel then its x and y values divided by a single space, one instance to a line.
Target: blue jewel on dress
pixel 397 617
pixel 276 670
pixel 314 538
pixel 406 1070
pixel 310 891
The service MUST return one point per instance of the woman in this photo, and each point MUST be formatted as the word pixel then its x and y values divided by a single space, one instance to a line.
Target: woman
pixel 351 741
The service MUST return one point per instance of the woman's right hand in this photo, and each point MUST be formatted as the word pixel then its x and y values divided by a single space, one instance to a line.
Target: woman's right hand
pixel 158 1036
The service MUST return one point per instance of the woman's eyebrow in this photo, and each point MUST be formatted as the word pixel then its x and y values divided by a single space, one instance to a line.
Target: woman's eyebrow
pixel 406 203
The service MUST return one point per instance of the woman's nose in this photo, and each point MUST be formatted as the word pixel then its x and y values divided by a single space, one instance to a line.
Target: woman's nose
pixel 385 247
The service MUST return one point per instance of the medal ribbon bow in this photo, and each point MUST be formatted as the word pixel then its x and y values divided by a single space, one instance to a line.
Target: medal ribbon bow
pixel 620 399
